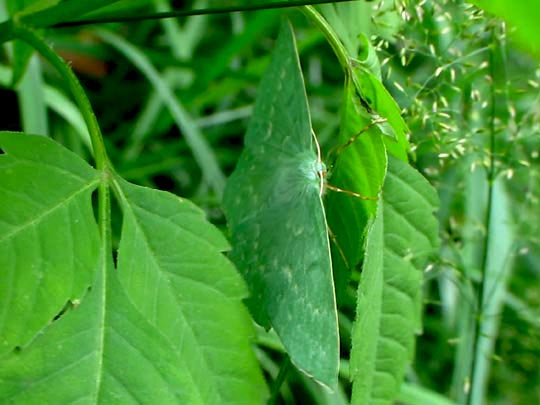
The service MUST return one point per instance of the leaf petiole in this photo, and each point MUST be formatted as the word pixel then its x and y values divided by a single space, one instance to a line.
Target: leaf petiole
pixel 102 162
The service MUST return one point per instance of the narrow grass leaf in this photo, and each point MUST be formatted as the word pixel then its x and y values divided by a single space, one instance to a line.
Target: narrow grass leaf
pixel 472 232
pixel 64 107
pixel 200 148
pixel 497 272
pixel 60 104
pixel 53 12
pixel 31 94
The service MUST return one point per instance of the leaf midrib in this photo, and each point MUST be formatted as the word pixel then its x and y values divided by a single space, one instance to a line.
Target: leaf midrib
pixel 154 257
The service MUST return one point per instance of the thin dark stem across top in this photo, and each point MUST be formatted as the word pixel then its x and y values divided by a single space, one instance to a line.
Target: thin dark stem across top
pixel 193 12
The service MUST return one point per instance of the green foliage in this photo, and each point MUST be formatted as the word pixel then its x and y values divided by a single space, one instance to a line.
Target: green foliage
pixel 161 311
pixel 112 292
pixel 523 16
pixel 470 98
pixel 44 189
pixel 50 12
pixel 188 294
pixel 202 152
pixel 378 99
pixel 360 167
pixel 400 239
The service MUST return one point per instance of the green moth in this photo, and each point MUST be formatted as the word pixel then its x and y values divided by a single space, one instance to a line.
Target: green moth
pixel 279 232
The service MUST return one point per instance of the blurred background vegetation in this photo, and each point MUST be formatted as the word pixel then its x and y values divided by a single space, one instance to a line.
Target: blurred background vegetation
pixel 469 94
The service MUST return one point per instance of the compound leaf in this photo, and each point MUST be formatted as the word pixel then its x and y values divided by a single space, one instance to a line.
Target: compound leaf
pixel 167 326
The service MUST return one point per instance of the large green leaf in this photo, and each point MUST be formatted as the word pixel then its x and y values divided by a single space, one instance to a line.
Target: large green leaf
pixel 273 205
pixel 102 352
pixel 169 264
pixel 48 235
pixel 402 235
pixel 522 15
pixel 166 327
pixel 360 167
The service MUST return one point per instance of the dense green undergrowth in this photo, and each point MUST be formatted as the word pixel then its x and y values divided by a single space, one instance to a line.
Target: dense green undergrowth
pixel 331 203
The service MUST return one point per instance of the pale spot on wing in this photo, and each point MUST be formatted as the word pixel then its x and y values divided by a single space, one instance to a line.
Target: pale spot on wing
pixel 283 73
pixel 268 133
pixel 288 273
pixel 295 289
pixel 256 231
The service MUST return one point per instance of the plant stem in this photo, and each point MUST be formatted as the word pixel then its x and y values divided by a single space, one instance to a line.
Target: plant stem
pixel 339 49
pixel 74 86
pixel 278 382
pixel 100 154
pixel 193 12
pixel 495 46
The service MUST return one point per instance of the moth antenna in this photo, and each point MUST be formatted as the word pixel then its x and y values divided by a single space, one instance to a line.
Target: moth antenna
pixel 319 160
pixel 351 193
pixel 317 145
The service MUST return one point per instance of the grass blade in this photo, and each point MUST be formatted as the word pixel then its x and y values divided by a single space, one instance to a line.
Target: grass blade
pixel 202 151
